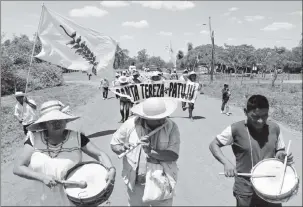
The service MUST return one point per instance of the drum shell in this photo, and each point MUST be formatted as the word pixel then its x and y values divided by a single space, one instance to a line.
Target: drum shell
pixel 281 198
pixel 94 200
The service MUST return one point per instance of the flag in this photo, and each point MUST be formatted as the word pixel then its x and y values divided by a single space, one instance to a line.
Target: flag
pixel 172 57
pixel 75 47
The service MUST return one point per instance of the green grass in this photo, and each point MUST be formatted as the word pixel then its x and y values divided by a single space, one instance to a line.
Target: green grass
pixel 285 106
pixel 12 136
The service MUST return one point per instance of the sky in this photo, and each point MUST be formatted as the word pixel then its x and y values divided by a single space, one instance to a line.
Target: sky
pixel 152 25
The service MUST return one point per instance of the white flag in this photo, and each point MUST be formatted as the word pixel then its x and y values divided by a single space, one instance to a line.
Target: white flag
pixel 75 47
pixel 172 57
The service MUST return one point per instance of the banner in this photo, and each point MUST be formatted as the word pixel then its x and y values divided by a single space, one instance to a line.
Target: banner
pixel 180 90
pixel 75 47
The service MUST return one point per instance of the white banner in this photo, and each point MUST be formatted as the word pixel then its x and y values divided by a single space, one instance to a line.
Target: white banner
pixel 180 90
pixel 75 47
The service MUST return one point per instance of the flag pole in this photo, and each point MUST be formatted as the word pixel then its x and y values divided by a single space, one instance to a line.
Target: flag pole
pixel 35 40
pixel 33 50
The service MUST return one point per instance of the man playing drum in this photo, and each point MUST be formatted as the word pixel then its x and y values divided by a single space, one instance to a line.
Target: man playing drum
pixel 252 141
pixel 161 147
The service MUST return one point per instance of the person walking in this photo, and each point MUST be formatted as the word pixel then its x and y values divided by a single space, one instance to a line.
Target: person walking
pixel 25 110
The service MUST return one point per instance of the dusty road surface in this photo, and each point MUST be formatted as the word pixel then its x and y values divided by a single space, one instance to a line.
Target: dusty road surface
pixel 199 182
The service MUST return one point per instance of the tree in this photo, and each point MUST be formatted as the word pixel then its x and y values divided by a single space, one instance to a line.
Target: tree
pixel 189 46
pixel 142 56
pixel 121 57
pixel 156 61
pixel 180 55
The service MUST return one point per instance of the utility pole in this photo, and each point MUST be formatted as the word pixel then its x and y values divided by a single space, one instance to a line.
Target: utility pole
pixel 212 39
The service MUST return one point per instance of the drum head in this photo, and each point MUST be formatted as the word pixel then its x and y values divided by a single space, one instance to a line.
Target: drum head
pixel 271 185
pixel 93 174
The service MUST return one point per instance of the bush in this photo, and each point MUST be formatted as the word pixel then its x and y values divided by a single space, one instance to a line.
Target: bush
pixel 15 56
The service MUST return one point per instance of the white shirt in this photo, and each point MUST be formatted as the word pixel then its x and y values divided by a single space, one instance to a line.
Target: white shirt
pixel 28 115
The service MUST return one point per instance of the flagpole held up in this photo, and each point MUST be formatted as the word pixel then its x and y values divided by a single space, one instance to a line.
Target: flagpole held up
pixel 33 50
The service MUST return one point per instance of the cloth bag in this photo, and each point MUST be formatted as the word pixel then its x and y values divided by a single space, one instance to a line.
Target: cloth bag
pixel 159 185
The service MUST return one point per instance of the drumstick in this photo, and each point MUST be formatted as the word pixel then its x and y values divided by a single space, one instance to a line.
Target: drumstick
pixel 133 147
pixel 250 175
pixel 80 184
pixel 284 167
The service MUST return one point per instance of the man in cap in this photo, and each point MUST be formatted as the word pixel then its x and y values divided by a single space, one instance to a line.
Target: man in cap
pixel 159 147
pixel 25 110
pixel 192 77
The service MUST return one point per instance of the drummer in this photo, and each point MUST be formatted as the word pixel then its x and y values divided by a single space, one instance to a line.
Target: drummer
pixel 252 141
pixel 50 150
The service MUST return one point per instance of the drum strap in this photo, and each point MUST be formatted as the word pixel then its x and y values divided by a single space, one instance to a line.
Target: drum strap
pixel 251 153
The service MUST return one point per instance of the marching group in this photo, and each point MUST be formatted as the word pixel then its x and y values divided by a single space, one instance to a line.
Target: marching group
pixel 152 141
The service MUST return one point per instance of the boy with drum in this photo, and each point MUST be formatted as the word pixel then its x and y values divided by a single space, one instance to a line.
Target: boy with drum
pixel 252 141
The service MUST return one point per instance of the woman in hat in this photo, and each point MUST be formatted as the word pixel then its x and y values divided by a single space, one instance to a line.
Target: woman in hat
pixel 160 148
pixel 50 150
pixel 124 101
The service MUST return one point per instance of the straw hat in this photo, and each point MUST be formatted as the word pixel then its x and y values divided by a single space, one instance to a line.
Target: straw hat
pixel 192 73
pixel 155 108
pixel 19 93
pixel 123 79
pixel 155 73
pixel 51 110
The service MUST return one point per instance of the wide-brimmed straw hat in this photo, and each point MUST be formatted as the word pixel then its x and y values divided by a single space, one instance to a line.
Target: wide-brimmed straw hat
pixel 192 73
pixel 155 73
pixel 51 110
pixel 123 79
pixel 155 108
pixel 20 93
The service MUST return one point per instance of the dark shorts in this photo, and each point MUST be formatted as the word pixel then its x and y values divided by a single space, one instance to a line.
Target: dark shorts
pixel 24 128
pixel 253 201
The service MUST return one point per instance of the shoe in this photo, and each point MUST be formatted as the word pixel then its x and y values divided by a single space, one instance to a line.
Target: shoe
pixel 103 98
pixel 222 112
pixel 121 121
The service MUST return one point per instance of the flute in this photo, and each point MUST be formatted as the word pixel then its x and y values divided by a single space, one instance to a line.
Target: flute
pixel 137 144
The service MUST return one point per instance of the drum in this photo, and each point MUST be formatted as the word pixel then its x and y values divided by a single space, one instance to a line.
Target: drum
pixel 97 190
pixel 268 188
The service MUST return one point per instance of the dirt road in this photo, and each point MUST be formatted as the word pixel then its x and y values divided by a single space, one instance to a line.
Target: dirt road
pixel 199 182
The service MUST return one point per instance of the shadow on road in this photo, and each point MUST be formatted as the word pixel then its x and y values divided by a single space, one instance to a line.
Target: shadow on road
pixel 186 117
pixel 102 133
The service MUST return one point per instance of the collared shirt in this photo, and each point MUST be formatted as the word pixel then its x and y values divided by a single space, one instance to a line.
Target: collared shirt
pixel 167 138
pixel 261 146
pixel 29 112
